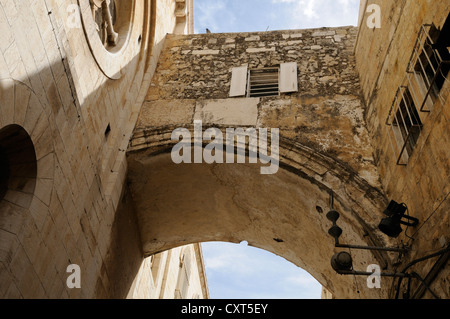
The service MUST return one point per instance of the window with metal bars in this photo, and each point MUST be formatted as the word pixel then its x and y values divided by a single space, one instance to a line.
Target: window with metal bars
pixel 429 65
pixel 263 82
pixel 404 125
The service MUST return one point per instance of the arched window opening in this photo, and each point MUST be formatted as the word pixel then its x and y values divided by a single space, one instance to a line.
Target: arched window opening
pixel 18 166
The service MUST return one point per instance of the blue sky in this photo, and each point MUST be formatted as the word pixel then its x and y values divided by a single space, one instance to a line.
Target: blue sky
pixel 260 15
pixel 239 271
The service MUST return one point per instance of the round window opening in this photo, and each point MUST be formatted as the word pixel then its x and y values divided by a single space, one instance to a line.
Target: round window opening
pixel 112 20
pixel 112 29
pixel 18 166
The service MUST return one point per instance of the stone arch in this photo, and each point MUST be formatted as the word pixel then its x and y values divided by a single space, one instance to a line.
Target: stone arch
pixel 27 182
pixel 283 213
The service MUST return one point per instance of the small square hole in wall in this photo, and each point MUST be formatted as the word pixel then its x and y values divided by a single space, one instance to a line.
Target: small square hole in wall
pixel 108 130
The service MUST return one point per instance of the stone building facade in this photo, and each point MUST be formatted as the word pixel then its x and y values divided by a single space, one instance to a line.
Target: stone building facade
pixel 87 121
pixel 70 93
pixel 178 273
pixel 399 52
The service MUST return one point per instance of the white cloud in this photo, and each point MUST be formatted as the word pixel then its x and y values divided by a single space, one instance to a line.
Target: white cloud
pixel 306 8
pixel 228 257
pixel 319 13
pixel 207 13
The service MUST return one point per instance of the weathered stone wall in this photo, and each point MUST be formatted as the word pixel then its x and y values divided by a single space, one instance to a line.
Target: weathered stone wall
pixel 193 81
pixel 199 66
pixel 382 57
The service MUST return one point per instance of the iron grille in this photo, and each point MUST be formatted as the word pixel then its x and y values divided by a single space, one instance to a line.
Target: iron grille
pixel 404 125
pixel 263 82
pixel 427 69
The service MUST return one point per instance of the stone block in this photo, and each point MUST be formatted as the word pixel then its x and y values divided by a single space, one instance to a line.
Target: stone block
pixel 253 38
pixel 166 113
pixel 205 52
pixel 260 50
pixel 324 33
pixel 233 112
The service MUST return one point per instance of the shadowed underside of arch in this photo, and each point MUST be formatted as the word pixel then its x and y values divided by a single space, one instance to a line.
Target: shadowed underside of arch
pixel 284 213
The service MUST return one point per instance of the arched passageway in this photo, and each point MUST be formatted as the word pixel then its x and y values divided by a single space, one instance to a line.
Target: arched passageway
pixel 284 213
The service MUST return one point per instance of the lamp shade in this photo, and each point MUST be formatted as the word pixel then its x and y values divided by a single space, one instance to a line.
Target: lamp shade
pixel 391 226
pixel 333 216
pixel 395 208
pixel 335 231
pixel 342 261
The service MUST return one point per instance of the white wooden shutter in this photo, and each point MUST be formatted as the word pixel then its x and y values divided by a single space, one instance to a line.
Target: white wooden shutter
pixel 238 81
pixel 288 77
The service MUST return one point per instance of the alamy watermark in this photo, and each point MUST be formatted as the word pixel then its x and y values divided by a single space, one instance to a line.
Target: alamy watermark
pixel 74 16
pixel 74 279
pixel 374 19
pixel 213 152
pixel 374 280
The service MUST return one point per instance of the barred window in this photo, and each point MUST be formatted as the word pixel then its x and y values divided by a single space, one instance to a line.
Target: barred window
pixel 429 66
pixel 404 125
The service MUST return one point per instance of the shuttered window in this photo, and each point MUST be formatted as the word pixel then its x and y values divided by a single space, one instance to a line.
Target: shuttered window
pixel 238 81
pixel 262 82
pixel 288 77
